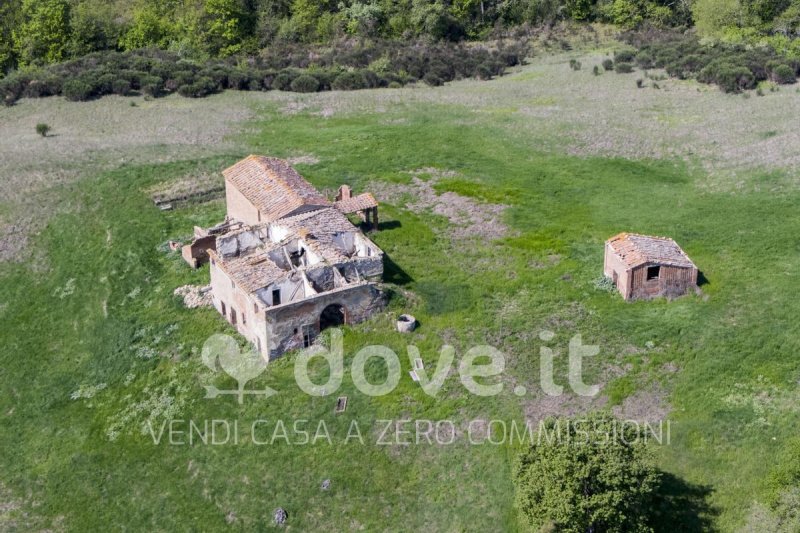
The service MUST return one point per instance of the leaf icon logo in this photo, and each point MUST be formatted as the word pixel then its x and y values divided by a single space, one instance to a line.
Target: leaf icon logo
pixel 242 366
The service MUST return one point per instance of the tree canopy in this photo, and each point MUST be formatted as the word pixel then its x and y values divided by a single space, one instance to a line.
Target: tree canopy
pixel 587 475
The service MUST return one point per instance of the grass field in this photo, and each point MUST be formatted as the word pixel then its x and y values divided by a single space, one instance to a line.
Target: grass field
pixel 95 344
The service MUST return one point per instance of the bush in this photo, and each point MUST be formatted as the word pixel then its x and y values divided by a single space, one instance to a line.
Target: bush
pixel 305 84
pixel 121 86
pixel 349 81
pixel 483 72
pixel 645 59
pixel 729 77
pixel 78 90
pixel 608 64
pixel 203 86
pixel 783 74
pixel 625 56
pixel 42 129
pixel 596 70
pixel 623 68
pixel 282 82
pixel 152 85
pixel 432 79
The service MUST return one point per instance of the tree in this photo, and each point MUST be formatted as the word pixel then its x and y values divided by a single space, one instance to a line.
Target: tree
pixel 151 27
pixel 10 18
pixel 222 26
pixel 44 34
pixel 93 27
pixel 713 17
pixel 588 475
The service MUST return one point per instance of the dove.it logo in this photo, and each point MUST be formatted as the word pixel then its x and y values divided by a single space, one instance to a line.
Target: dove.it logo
pixel 242 366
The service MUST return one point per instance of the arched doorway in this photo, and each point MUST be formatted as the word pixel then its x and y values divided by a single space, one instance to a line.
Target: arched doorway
pixel 332 316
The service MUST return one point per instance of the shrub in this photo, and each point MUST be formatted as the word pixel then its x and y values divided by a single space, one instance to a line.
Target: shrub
pixel 625 56
pixel 152 85
pixel 483 72
pixel 78 90
pixel 608 64
pixel 395 85
pixel 104 83
pixel 120 86
pixel 783 74
pixel 282 82
pixel 42 129
pixel 203 86
pixel 349 81
pixel 729 77
pixel 623 68
pixel 305 84
pixel 639 83
pixel 432 79
pixel 43 85
pixel 574 64
pixel 596 70
pixel 645 59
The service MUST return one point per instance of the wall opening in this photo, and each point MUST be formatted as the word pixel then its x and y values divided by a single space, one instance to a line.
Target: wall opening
pixel 332 316
pixel 276 297
pixel 653 272
pixel 308 336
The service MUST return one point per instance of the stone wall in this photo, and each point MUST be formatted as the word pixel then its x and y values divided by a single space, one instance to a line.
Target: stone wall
pixel 285 323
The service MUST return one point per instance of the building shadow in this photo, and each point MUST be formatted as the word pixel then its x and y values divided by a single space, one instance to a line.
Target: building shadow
pixel 392 273
pixel 682 506
pixel 390 224
pixel 702 279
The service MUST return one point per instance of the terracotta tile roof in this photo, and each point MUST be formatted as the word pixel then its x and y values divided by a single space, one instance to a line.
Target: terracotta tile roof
pixel 253 271
pixel 321 222
pixel 273 186
pixel 356 203
pixel 635 250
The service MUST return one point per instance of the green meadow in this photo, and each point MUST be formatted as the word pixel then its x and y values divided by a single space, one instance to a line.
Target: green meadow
pixel 96 349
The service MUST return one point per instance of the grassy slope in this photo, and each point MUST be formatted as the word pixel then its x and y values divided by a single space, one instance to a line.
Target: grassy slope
pixel 734 398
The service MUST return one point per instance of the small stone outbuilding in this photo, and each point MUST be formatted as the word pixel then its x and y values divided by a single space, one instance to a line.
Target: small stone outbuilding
pixel 644 267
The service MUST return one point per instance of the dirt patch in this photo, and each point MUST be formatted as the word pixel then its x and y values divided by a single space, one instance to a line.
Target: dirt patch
pixel 565 404
pixel 194 296
pixel 645 406
pixel 468 218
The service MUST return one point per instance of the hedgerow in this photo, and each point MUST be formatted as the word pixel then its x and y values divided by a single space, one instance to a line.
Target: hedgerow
pixel 347 65
pixel 733 68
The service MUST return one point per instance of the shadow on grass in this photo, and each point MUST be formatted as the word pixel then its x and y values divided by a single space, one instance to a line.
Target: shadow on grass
pixel 702 279
pixel 392 273
pixel 391 224
pixel 682 506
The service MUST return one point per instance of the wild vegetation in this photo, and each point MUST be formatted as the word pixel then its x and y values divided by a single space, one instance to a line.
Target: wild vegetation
pixel 585 481
pixel 733 67
pixel 96 344
pixel 344 66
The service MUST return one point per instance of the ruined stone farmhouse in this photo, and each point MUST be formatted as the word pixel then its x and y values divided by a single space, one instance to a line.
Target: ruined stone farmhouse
pixel 645 267
pixel 287 262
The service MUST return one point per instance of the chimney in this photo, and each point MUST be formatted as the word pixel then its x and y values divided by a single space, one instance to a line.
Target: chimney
pixel 344 193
